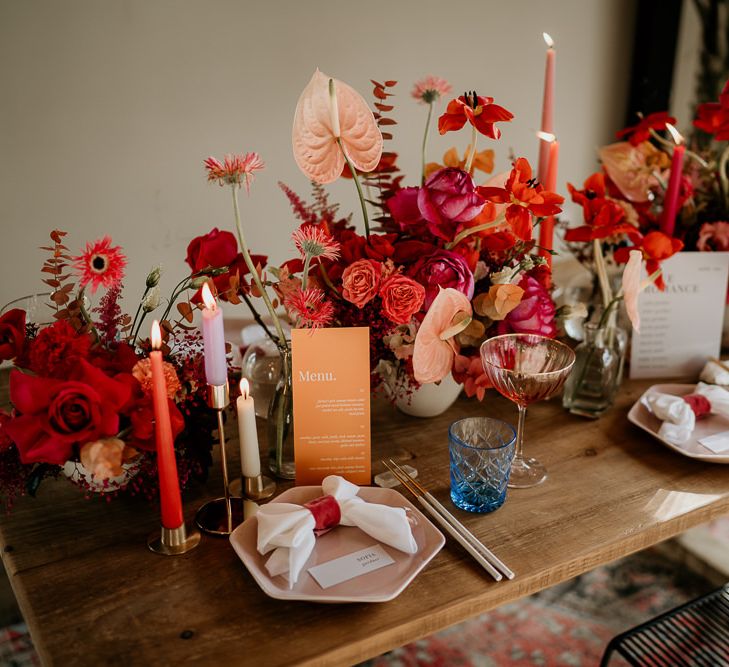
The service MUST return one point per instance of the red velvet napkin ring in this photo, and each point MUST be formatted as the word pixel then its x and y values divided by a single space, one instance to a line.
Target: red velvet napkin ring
pixel 700 405
pixel 326 512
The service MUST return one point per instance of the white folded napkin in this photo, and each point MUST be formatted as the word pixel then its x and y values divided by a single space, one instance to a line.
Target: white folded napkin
pixel 713 373
pixel 679 416
pixel 288 529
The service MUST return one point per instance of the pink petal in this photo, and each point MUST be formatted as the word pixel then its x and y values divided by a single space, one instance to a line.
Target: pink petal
pixel 315 146
pixel 433 357
pixel 631 286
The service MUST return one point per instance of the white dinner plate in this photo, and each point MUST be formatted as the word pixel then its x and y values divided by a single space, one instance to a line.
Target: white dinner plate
pixel 645 419
pixel 378 586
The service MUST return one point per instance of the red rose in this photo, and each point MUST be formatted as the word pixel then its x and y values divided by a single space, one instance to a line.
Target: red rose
pixel 55 415
pixel 213 250
pixel 361 281
pixel 379 246
pixel 12 334
pixel 535 313
pixel 401 297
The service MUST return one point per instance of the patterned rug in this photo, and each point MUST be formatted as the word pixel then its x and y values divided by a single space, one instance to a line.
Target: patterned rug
pixel 567 625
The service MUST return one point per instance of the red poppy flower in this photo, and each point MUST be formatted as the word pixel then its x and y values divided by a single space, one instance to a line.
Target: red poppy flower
pixel 641 131
pixel 713 117
pixel 603 217
pixel 656 248
pixel 525 196
pixel 481 112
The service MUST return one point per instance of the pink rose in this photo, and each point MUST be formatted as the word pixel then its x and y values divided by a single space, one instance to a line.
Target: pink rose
pixel 443 269
pixel 535 313
pixel 449 197
pixel 361 281
pixel 713 237
pixel 401 297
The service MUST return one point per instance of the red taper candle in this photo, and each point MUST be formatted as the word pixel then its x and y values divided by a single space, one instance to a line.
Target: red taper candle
pixel 169 483
pixel 546 227
pixel 670 203
pixel 547 106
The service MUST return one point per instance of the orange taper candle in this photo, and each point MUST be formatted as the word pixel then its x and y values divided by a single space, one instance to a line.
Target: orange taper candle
pixel 169 484
pixel 546 227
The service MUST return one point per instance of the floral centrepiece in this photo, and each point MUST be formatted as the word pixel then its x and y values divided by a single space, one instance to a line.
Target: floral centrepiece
pixel 445 235
pixel 80 387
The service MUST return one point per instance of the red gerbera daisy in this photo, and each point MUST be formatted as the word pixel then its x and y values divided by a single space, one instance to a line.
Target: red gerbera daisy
pixel 235 169
pixel 309 309
pixel 101 264
pixel 313 241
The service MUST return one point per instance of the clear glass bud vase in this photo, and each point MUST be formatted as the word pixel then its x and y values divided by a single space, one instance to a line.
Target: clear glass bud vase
pixel 598 370
pixel 280 427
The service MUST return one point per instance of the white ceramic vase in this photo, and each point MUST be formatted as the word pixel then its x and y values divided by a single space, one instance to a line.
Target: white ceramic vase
pixel 77 472
pixel 430 400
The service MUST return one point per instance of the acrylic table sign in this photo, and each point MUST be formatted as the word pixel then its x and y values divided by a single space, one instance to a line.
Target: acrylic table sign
pixel 331 382
pixel 681 327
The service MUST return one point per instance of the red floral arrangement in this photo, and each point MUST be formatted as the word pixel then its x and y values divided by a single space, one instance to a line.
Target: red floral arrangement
pixel 626 204
pixel 80 385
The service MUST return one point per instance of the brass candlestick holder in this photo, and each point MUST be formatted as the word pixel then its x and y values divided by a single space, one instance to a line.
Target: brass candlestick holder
pixel 222 515
pixel 174 541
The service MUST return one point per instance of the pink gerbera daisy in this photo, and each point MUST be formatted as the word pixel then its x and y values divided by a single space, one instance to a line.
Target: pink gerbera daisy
pixel 430 89
pixel 312 241
pixel 235 169
pixel 101 264
pixel 309 309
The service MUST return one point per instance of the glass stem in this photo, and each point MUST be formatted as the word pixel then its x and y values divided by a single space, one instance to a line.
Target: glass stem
pixel 518 456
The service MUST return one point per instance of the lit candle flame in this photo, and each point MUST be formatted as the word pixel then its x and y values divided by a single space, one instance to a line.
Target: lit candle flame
pixel 675 134
pixel 244 388
pixel 208 298
pixel 548 40
pixel 156 336
pixel 546 136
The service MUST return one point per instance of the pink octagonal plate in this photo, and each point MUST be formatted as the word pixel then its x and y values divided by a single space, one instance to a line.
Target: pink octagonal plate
pixel 378 586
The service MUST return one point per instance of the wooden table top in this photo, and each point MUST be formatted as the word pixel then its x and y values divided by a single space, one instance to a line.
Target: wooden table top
pixel 92 593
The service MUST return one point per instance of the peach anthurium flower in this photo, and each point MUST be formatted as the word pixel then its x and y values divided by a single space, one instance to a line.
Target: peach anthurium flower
pixel 632 286
pixel 627 166
pixel 435 347
pixel 321 119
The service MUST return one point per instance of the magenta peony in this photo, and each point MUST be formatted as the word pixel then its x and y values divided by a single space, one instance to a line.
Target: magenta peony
pixel 443 269
pixel 448 198
pixel 535 313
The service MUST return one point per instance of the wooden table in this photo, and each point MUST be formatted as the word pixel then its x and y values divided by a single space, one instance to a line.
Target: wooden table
pixel 92 593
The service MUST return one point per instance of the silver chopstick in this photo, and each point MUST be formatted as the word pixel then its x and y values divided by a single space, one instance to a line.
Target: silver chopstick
pixel 450 529
pixel 487 553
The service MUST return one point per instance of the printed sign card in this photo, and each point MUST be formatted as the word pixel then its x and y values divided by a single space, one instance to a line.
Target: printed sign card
pixel 681 327
pixel 331 383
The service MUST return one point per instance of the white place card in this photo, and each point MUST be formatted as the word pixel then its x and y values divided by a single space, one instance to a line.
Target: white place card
pixel 350 566
pixel 681 327
pixel 717 443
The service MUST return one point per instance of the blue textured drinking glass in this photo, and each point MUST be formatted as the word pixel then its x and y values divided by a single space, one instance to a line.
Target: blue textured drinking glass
pixel 481 451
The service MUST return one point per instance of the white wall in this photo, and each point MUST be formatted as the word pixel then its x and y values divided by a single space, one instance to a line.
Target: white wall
pixel 107 108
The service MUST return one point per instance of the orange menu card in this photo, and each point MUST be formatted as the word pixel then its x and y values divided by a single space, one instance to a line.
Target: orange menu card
pixel 331 382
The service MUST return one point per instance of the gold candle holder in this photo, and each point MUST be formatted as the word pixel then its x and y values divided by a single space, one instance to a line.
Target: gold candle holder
pixel 173 541
pixel 258 487
pixel 221 515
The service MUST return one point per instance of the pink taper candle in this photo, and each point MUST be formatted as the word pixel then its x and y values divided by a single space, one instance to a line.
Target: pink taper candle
pixel 670 203
pixel 546 227
pixel 216 366
pixel 169 484
pixel 547 107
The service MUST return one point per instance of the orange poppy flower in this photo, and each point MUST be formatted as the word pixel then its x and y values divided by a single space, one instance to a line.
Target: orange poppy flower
pixel 481 112
pixel 525 197
pixel 482 161
pixel 656 247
